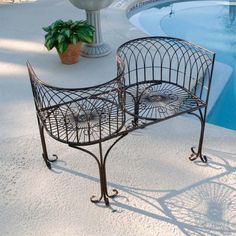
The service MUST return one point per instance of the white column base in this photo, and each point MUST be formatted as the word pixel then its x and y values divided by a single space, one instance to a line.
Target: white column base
pixel 93 50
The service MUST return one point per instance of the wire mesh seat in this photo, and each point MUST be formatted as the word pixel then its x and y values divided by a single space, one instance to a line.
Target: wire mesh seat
pixel 166 77
pixel 83 122
pixel 159 100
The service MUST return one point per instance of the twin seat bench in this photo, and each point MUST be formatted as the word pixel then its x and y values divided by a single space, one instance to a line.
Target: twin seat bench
pixel 158 78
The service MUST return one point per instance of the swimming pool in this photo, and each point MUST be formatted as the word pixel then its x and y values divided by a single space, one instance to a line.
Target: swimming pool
pixel 211 24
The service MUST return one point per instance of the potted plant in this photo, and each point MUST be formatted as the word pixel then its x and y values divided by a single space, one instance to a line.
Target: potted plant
pixel 66 37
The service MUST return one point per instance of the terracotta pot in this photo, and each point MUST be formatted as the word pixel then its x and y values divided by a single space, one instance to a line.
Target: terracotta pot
pixel 71 55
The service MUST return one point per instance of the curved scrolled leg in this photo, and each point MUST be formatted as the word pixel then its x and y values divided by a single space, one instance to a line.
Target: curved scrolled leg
pixel 53 160
pixel 49 161
pixel 114 194
pixel 104 195
pixel 101 161
pixel 195 155
pixel 94 199
pixel 44 147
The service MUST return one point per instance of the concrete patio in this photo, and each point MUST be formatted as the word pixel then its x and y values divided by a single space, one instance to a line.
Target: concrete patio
pixel 160 191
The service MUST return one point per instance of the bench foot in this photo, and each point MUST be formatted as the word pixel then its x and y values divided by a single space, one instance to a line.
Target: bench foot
pixel 103 185
pixel 114 194
pixel 105 197
pixel 49 161
pixel 202 118
pixel 194 155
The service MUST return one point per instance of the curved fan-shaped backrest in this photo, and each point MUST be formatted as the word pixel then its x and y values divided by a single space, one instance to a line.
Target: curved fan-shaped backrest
pixel 168 59
pixel 79 116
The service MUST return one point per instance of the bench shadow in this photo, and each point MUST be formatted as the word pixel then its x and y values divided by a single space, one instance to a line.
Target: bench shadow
pixel 207 207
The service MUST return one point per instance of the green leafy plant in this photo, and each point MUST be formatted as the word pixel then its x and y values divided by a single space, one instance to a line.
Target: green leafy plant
pixel 62 33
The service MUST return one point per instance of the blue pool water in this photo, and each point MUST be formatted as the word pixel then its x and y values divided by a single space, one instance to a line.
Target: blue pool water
pixel 211 24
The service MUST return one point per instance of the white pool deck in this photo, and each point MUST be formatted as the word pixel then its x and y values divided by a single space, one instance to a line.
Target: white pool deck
pixel 160 191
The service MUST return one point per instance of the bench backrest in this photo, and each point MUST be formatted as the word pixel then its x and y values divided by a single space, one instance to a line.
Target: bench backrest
pixel 79 116
pixel 168 59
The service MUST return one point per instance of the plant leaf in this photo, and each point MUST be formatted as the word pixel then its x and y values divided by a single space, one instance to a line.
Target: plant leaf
pixel 66 32
pixel 49 44
pixel 74 39
pixel 57 25
pixel 85 35
pixel 60 38
pixel 46 29
pixel 61 47
pixel 69 22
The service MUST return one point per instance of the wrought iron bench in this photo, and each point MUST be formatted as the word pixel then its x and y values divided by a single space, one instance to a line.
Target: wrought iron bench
pixel 158 78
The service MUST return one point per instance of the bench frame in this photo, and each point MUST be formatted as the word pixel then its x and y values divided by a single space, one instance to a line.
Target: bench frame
pixel 158 78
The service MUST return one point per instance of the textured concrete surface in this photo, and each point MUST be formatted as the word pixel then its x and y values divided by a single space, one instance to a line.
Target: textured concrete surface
pixel 160 191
